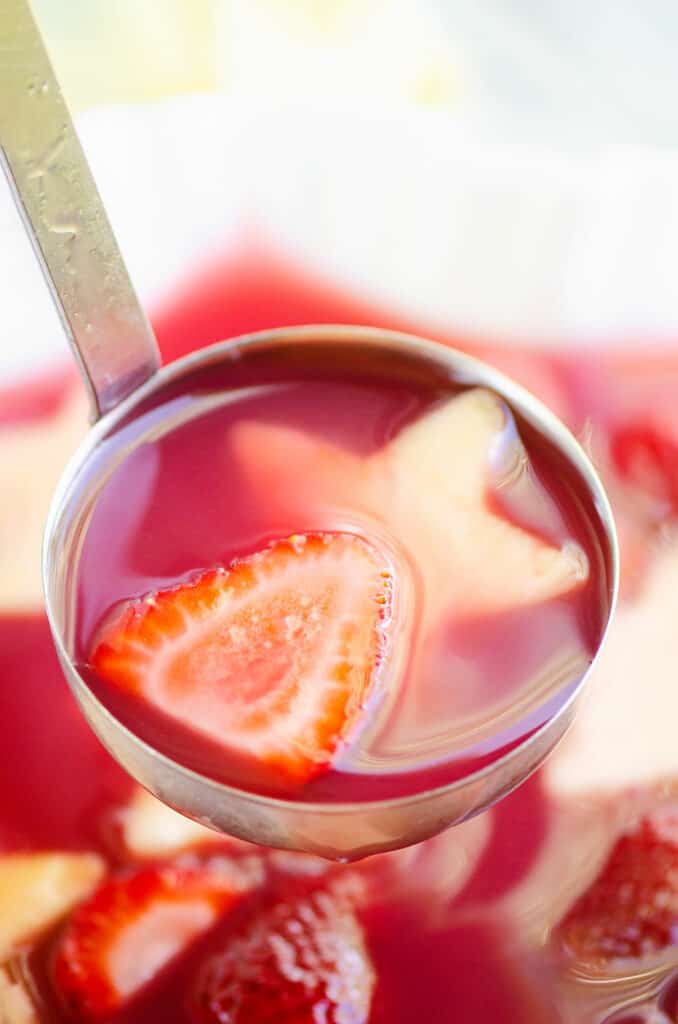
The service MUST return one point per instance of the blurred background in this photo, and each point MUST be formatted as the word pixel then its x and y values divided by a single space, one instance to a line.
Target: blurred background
pixel 507 168
pixel 584 71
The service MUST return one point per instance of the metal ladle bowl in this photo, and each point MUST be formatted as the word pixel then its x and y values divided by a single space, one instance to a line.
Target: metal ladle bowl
pixel 119 361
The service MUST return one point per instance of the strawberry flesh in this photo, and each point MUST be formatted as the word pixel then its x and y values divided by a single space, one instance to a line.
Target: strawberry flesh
pixel 631 909
pixel 274 658
pixel 133 926
pixel 295 963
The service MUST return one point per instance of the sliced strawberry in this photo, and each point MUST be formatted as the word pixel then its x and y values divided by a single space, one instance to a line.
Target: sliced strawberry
pixel 631 909
pixel 134 925
pixel 299 963
pixel 273 658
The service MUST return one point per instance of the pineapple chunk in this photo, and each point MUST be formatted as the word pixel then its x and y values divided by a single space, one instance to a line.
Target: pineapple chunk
pixel 36 889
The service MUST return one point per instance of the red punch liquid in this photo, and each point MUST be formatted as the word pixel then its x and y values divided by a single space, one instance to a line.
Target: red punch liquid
pixel 443 938
pixel 287 442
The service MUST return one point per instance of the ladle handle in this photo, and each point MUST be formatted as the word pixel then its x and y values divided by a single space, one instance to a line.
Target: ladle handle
pixel 55 192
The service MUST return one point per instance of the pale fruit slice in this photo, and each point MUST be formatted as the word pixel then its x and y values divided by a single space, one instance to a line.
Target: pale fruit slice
pixel 429 488
pixel 624 734
pixel 439 472
pixel 151 829
pixel 16 1005
pixel 37 889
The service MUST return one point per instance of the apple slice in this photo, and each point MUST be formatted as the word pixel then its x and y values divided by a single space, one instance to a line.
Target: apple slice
pixel 439 474
pixel 429 488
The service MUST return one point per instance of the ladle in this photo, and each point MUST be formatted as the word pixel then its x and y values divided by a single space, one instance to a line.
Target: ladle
pixel 118 358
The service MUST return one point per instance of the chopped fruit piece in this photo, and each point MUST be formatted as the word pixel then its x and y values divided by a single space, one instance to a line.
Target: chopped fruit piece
pixel 631 909
pixel 36 889
pixel 619 740
pixel 151 829
pixel 296 963
pixel 16 1005
pixel 274 657
pixel 134 925
pixel 430 485
pixel 449 459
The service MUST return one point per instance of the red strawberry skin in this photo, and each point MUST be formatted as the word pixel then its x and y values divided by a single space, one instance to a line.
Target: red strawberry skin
pixel 631 910
pixel 82 966
pixel 296 963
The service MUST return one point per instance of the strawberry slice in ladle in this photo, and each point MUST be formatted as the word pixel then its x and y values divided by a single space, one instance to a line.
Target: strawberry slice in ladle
pixel 272 658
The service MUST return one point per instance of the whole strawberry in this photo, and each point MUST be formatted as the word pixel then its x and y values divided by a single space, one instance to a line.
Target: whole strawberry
pixel 295 963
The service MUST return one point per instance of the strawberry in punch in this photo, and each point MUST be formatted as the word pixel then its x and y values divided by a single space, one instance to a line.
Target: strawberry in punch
pixel 380 589
pixel 330 590
pixel 378 617
pixel 556 905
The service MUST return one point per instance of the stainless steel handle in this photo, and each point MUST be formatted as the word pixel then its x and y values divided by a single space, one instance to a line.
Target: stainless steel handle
pixel 56 195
